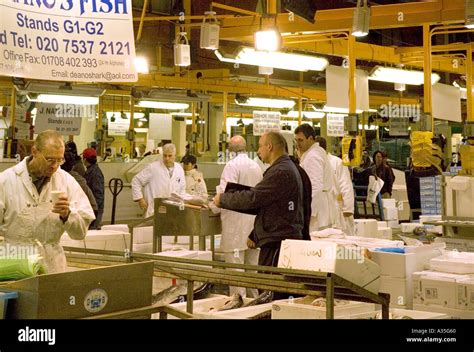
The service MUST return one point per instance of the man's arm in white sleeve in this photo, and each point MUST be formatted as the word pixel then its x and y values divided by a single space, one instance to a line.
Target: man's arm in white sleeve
pixel 346 188
pixel 139 181
pixel 314 167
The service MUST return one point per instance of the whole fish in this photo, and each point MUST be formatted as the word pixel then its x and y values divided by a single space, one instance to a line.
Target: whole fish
pixel 170 295
pixel 203 291
pixel 235 301
pixel 265 297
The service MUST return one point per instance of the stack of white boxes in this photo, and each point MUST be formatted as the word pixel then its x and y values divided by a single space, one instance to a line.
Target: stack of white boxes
pixel 383 231
pixel 390 211
pixel 448 287
pixel 366 227
pixel 100 239
pixel 397 269
pixel 399 193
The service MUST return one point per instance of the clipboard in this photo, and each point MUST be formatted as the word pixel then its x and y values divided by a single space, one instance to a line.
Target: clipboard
pixel 232 187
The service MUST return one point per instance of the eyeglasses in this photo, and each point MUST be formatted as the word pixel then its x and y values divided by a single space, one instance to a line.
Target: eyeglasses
pixel 52 161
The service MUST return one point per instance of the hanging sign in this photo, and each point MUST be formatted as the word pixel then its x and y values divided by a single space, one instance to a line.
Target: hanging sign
pixel 66 40
pixel 335 125
pixel 265 121
pixel 63 118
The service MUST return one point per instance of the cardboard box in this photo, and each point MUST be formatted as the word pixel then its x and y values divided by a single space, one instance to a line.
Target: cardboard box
pixel 465 290
pixel 454 262
pixel 301 308
pixel 325 256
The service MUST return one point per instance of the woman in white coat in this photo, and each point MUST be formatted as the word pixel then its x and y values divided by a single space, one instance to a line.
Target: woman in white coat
pixel 314 160
pixel 29 213
pixel 159 179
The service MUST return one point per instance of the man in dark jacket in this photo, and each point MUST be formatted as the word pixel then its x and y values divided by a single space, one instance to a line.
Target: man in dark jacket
pixel 95 181
pixel 277 201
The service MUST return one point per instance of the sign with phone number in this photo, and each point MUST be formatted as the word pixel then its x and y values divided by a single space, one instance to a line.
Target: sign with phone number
pixel 68 40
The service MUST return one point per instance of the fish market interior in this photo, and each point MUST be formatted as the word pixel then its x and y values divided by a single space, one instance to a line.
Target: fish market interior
pixel 260 159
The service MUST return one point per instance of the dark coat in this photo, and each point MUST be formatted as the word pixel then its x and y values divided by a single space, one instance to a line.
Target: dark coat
pixel 95 181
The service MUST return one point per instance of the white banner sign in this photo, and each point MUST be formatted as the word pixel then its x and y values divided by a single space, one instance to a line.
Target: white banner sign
pixel 265 121
pixel 335 125
pixel 68 40
pixel 63 118
pixel 119 126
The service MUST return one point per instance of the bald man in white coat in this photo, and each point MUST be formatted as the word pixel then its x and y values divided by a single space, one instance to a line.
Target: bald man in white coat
pixel 236 227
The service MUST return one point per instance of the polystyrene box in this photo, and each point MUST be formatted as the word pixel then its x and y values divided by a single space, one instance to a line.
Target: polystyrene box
pixel 390 213
pixel 384 233
pixel 116 227
pixel 454 262
pixel 326 256
pixel 301 308
pixel 382 224
pixel 100 239
pixel 202 309
pixel 400 290
pixel 365 227
pixel 397 265
pixel 408 227
pixel 393 224
pixel 397 313
pixel 389 203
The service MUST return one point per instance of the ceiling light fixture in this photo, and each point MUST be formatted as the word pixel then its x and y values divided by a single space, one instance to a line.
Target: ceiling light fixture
pixel 307 114
pixel 63 99
pixel 275 59
pixel 267 40
pixel 162 105
pixel 401 87
pixel 398 75
pixel 264 102
pixel 141 65
pixel 361 19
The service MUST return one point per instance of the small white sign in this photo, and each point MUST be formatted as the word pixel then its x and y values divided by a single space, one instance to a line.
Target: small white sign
pixel 160 127
pixel 22 130
pixel 399 126
pixel 335 125
pixel 119 126
pixel 265 121
pixel 63 118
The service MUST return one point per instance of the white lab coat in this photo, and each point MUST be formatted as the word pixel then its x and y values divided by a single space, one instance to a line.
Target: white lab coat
pixel 236 227
pixel 316 164
pixel 26 217
pixel 195 183
pixel 157 182
pixel 344 194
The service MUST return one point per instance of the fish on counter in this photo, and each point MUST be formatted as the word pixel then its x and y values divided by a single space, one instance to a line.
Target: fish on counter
pixel 178 293
pixel 234 301
pixel 265 297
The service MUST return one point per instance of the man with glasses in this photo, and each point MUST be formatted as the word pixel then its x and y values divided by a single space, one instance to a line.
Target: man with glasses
pixel 39 201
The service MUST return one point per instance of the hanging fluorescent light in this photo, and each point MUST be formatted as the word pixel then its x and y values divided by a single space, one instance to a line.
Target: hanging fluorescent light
pixel 63 99
pixel 267 40
pixel 307 114
pixel 469 14
pixel 141 65
pixel 397 75
pixel 275 59
pixel 265 103
pixel 162 105
pixel 183 114
pixel 263 70
pixel 209 31
pixel 361 19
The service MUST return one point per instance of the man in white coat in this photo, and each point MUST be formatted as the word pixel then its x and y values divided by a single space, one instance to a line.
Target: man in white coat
pixel 39 201
pixel 236 227
pixel 343 191
pixel 314 160
pixel 159 179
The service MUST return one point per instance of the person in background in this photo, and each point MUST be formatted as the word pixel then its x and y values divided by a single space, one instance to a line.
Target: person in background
pixel 141 150
pixel 28 216
pixel 69 161
pixel 107 155
pixel 314 160
pixel 236 227
pixel 95 181
pixel 159 179
pixel 343 191
pixel 277 200
pixel 78 165
pixel 385 172
pixel 195 183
